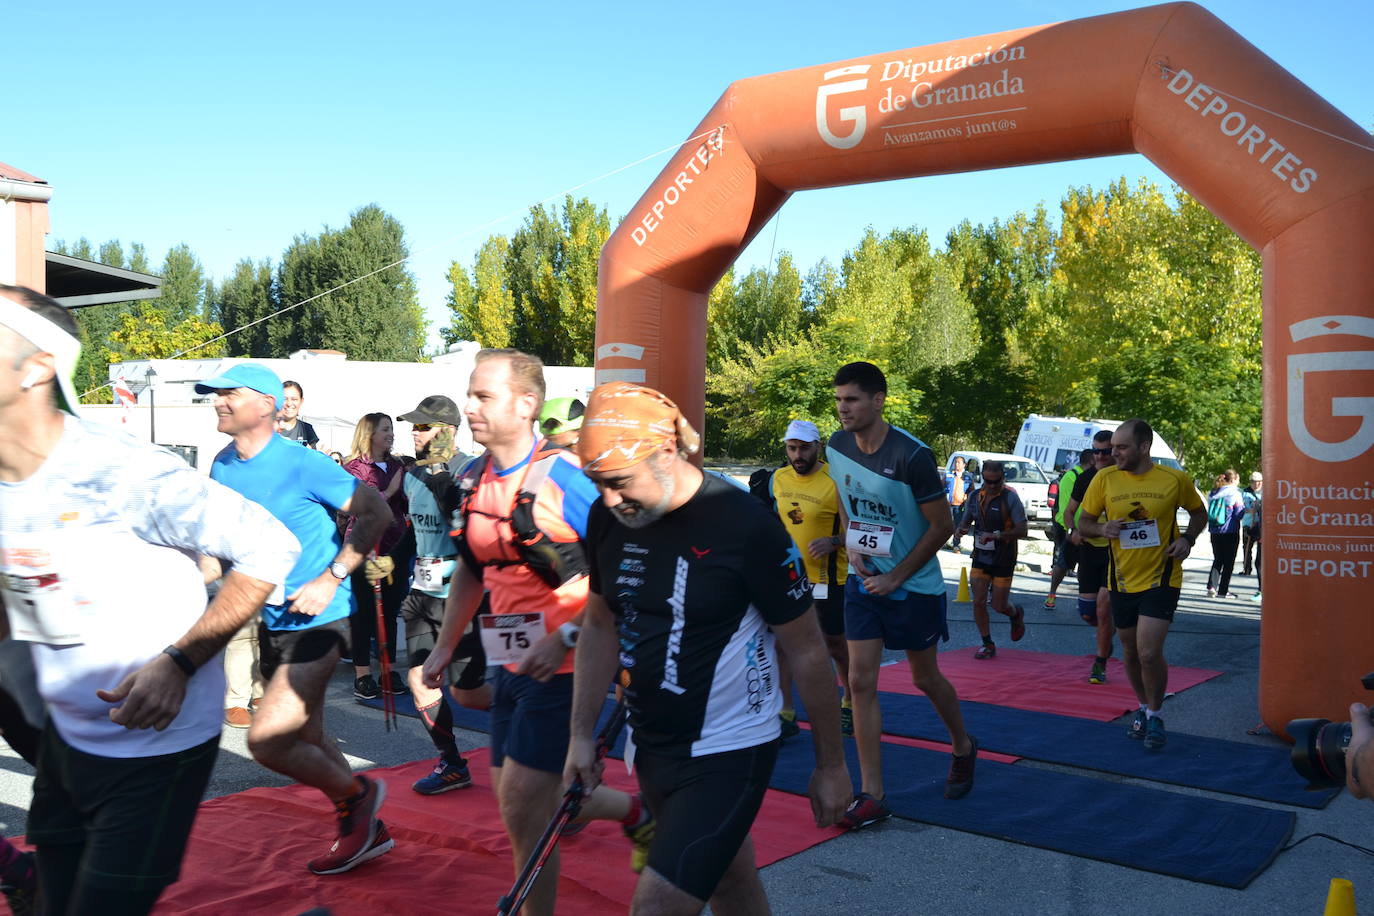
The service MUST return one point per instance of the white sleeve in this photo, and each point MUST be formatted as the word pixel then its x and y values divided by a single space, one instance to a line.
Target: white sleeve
pixel 165 501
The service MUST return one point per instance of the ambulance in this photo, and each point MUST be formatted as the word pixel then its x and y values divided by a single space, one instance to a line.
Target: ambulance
pixel 1054 443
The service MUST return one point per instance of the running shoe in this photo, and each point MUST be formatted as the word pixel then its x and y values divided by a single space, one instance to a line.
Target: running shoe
pixel 790 728
pixel 847 720
pixel 362 835
pixel 641 837
pixel 864 810
pixel 1154 734
pixel 985 651
pixel 1049 602
pixel 1137 726
pixel 1256 597
pixel 365 688
pixel 1018 623
pixel 1211 593
pixel 19 884
pixel 396 684
pixel 959 782
pixel 1099 673
pixel 445 777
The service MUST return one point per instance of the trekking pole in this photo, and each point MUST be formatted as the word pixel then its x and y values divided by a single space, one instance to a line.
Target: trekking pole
pixel 388 698
pixel 510 904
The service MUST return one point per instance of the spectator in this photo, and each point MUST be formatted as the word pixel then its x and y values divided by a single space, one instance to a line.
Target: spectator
pixel 1250 522
pixel 371 461
pixel 1224 509
pixel 958 485
pixel 289 424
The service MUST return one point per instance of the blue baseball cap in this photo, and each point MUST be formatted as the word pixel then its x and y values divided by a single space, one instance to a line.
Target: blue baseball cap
pixel 255 376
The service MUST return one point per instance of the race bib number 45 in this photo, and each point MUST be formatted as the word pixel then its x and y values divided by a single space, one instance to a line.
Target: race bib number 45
pixel 1135 535
pixel 508 638
pixel 869 538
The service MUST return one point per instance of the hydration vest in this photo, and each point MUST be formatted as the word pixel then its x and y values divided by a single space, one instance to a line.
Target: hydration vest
pixel 554 562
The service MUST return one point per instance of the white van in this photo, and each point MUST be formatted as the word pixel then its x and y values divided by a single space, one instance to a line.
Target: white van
pixel 1023 475
pixel 1054 443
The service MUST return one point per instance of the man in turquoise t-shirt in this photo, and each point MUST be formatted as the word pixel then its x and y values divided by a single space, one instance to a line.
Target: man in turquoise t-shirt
pixel 892 500
pixel 304 623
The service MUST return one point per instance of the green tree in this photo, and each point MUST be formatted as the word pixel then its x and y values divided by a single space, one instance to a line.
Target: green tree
pixel 244 301
pixel 183 286
pixel 358 296
pixel 483 306
pixel 147 333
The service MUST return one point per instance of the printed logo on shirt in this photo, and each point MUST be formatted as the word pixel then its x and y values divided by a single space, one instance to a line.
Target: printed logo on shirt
pixel 678 602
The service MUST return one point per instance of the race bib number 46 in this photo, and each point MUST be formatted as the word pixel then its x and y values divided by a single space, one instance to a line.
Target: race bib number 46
pixel 869 538
pixel 1135 535
pixel 508 638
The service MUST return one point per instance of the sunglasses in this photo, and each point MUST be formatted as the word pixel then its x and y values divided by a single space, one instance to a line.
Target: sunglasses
pixel 993 480
pixel 1103 451
pixel 424 427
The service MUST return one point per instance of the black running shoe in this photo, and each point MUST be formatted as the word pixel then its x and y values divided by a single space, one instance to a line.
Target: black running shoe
pixel 365 688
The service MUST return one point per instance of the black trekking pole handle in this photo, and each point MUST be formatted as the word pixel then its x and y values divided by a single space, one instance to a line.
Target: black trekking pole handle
pixel 511 903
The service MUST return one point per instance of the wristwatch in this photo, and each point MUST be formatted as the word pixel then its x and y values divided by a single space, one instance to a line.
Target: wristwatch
pixel 568 633
pixel 338 570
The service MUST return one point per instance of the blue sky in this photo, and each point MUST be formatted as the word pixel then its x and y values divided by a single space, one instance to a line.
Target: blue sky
pixel 234 131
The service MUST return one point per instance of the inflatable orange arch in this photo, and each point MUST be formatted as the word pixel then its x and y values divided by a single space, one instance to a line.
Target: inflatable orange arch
pixel 1279 165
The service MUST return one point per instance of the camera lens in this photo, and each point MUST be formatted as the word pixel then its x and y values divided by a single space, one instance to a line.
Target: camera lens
pixel 1319 751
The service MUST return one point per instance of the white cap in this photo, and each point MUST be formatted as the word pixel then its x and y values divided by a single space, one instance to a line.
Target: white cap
pixel 803 430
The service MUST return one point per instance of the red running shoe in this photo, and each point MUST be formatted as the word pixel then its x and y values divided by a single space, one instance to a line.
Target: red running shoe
pixel 362 836
pixel 864 810
pixel 960 779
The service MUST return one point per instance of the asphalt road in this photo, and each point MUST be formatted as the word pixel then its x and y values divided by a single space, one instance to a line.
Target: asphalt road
pixel 907 867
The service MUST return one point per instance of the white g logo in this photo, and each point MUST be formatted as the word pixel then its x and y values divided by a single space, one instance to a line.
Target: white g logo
pixel 1349 361
pixel 856 113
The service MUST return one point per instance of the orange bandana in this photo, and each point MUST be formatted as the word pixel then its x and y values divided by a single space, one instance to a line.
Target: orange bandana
pixel 625 424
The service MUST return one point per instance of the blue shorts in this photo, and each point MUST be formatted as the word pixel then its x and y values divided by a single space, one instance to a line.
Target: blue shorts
pixel 530 721
pixel 903 620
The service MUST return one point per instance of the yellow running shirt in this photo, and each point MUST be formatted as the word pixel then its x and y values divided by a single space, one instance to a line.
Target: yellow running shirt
pixel 808 507
pixel 1149 503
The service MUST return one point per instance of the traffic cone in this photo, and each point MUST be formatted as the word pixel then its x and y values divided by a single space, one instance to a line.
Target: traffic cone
pixel 963 596
pixel 1340 899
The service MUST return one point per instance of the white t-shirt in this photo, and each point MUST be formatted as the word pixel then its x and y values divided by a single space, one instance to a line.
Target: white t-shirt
pixel 98 569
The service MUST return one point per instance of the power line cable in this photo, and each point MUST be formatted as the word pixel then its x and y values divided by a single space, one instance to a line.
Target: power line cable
pixel 716 135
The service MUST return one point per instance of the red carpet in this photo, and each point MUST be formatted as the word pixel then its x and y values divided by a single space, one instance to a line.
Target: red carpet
pixel 248 852
pixel 1039 681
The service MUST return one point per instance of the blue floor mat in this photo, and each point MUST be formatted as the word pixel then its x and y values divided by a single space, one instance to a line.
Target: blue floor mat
pixel 1201 839
pixel 1248 770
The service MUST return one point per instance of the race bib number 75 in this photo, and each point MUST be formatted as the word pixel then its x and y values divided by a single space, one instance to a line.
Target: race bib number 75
pixel 508 638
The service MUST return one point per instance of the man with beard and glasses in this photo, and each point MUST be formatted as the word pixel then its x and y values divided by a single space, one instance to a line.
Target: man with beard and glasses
pixel 808 504
pixel 536 580
pixel 692 580
pixel 429 487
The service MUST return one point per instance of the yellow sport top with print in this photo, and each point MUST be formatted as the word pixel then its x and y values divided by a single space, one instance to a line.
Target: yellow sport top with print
pixel 808 509
pixel 1156 494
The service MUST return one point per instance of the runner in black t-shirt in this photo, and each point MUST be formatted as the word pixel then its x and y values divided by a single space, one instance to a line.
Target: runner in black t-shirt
pixel 1094 600
pixel 688 575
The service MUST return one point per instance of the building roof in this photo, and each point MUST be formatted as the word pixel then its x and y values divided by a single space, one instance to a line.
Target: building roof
pixel 10 172
pixel 76 282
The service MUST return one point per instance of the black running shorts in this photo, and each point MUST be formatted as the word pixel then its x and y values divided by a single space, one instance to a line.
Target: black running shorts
pixel 130 816
pixel 298 647
pixel 423 614
pixel 1092 568
pixel 705 807
pixel 1128 607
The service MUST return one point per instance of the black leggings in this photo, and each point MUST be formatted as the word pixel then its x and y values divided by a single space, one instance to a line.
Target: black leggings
pixel 362 625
